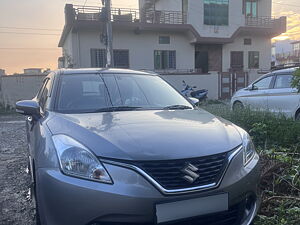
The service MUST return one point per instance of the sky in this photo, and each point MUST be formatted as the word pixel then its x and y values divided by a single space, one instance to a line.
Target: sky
pixel 30 29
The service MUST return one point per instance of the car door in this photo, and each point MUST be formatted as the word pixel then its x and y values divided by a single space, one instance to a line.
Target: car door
pixel 257 97
pixel 35 129
pixel 283 98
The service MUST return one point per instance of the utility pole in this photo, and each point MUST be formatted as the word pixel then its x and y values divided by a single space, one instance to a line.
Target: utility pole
pixel 109 36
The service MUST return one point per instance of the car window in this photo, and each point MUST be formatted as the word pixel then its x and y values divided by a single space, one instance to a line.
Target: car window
pixel 283 81
pixel 83 93
pixel 42 88
pixel 44 95
pixel 131 93
pixel 263 83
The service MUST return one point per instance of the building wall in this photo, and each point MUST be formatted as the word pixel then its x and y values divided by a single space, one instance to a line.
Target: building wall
pixel 208 82
pixel 196 18
pixel 24 87
pixel 141 48
pixel 259 43
pixel 264 8
pixel 19 87
pixel 169 5
pixel 68 50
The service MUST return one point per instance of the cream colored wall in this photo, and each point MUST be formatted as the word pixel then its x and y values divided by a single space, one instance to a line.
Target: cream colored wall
pixel 208 82
pixel 264 8
pixel 141 48
pixel 169 5
pixel 196 18
pixel 259 43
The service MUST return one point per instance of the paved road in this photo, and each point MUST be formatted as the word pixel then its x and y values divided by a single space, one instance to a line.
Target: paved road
pixel 15 206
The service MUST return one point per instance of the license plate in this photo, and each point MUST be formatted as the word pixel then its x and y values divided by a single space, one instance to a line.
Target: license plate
pixel 190 208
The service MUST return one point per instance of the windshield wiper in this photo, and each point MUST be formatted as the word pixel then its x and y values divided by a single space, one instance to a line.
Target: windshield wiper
pixel 177 107
pixel 118 108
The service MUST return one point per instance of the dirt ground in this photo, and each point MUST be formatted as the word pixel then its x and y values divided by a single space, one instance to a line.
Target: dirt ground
pixel 15 205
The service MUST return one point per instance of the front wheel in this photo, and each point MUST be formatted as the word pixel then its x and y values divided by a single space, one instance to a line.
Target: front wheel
pixel 298 116
pixel 238 106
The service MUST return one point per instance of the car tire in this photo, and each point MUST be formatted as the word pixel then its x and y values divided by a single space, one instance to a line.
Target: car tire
pixel 238 106
pixel 297 117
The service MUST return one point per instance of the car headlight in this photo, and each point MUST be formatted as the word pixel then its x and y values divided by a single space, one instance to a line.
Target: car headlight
pixel 248 149
pixel 76 160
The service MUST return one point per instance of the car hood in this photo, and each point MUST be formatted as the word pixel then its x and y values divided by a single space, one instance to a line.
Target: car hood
pixel 149 135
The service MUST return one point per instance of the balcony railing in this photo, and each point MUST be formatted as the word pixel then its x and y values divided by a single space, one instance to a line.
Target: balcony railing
pixel 130 15
pixel 264 22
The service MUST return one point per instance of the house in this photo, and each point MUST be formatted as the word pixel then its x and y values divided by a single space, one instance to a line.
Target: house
pixel 33 71
pixel 281 50
pixel 296 51
pixel 174 36
pixel 168 35
pixel 290 54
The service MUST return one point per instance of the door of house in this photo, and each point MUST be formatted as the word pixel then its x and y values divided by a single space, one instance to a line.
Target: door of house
pixel 201 61
pixel 237 60
pixel 230 82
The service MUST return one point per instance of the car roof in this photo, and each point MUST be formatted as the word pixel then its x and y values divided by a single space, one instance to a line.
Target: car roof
pixel 288 70
pixel 104 71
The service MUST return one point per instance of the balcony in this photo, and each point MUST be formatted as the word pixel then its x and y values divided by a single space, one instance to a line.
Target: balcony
pixel 86 13
pixel 277 25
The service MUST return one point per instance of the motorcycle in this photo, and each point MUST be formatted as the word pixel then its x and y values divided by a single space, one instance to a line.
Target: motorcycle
pixel 189 91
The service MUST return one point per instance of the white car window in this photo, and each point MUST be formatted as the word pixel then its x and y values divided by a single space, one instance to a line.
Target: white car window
pixel 283 81
pixel 263 83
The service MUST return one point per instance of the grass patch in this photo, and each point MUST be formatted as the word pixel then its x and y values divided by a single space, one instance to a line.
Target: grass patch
pixel 277 139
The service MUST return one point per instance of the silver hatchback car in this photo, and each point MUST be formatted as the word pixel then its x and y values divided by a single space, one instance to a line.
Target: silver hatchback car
pixel 110 146
pixel 271 92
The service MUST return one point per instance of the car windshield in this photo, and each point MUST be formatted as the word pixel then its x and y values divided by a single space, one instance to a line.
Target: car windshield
pixel 87 93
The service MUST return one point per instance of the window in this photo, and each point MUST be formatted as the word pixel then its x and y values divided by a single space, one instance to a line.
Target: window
pixel 82 91
pixel 121 59
pixel 247 41
pixel 164 39
pixel 263 83
pixel 283 81
pixel 88 93
pixel 164 60
pixel 251 8
pixel 98 58
pixel 44 95
pixel 216 12
pixel 253 60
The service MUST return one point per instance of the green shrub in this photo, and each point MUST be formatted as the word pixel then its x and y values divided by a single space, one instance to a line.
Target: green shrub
pixel 267 129
pixel 296 80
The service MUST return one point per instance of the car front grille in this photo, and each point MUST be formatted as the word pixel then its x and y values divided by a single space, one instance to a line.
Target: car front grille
pixel 186 173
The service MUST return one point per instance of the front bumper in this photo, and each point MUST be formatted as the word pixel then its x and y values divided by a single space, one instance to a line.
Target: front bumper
pixel 131 199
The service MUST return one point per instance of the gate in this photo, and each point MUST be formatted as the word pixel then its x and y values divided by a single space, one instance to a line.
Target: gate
pixel 230 82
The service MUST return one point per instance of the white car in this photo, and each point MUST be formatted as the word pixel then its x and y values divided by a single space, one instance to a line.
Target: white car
pixel 271 92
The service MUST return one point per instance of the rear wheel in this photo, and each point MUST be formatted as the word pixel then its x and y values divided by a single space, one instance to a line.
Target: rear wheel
pixel 238 106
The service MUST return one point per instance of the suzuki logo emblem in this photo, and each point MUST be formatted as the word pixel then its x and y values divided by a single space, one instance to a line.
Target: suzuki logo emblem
pixel 190 171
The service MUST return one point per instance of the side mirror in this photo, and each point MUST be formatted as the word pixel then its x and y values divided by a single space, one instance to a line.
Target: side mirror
pixel 28 108
pixel 194 100
pixel 253 87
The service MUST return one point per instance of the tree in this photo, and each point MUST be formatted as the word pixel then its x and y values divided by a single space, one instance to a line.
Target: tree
pixel 296 80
